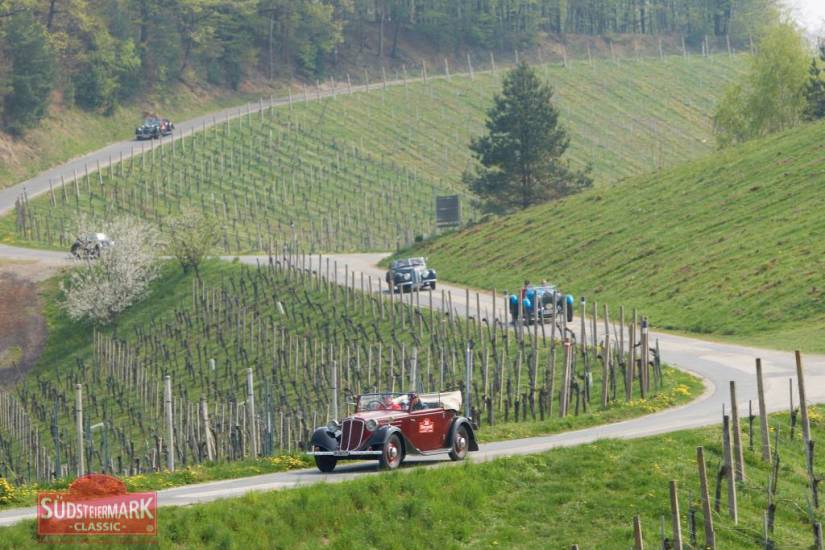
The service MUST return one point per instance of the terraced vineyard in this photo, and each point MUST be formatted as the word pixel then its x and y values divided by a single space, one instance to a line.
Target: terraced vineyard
pixel 318 173
pixel 297 341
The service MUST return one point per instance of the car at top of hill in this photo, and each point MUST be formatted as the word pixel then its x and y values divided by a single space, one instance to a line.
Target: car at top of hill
pixel 541 303
pixel 390 426
pixel 91 245
pixel 410 274
pixel 154 127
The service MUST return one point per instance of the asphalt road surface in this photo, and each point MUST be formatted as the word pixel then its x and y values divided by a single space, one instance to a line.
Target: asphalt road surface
pixel 716 363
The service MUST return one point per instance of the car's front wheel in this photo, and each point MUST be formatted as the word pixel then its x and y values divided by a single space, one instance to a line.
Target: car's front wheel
pixel 461 441
pixel 326 463
pixel 432 285
pixel 392 454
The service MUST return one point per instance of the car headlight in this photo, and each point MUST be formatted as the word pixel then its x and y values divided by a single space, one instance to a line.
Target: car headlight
pixel 406 276
pixel 372 424
pixel 333 426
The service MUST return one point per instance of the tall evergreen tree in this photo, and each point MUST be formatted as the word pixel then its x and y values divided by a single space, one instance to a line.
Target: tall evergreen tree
pixel 32 72
pixel 520 156
pixel 815 88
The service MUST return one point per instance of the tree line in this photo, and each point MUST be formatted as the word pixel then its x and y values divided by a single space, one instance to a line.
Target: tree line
pixel 783 87
pixel 99 53
pixel 510 23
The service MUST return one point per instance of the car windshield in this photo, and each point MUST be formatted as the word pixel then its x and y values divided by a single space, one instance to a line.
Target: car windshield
pixel 546 290
pixel 410 262
pixel 383 402
pixel 151 122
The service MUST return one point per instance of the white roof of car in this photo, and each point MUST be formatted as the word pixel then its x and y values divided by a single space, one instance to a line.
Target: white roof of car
pixel 450 400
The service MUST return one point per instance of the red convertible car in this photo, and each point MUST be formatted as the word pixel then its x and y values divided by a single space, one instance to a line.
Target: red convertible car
pixel 389 426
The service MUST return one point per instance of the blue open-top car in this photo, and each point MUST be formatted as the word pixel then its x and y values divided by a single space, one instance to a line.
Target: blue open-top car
pixel 541 303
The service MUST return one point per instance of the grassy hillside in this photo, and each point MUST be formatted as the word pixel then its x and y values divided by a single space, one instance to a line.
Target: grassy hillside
pixel 731 245
pixel 359 171
pixel 585 495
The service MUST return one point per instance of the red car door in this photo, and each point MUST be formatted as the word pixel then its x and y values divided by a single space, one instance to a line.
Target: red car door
pixel 427 429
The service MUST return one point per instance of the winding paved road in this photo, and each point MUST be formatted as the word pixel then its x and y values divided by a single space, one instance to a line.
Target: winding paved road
pixel 716 363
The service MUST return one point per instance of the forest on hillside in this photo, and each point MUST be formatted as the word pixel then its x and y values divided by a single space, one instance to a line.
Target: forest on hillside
pixel 99 53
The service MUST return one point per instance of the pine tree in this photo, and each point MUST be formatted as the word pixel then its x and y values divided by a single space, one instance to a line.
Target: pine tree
pixel 815 88
pixel 520 156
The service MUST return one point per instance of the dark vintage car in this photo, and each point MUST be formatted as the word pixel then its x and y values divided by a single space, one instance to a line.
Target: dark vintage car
pixel 541 303
pixel 90 246
pixel 391 426
pixel 154 128
pixel 410 274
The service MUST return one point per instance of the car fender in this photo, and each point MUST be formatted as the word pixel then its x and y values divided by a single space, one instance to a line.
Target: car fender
pixel 325 439
pixel 383 433
pixel 473 446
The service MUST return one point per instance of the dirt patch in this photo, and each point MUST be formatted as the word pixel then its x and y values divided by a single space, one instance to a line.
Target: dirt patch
pixel 22 324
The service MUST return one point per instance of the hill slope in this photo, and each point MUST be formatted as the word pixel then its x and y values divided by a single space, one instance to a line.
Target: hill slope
pixel 733 244
pixel 359 171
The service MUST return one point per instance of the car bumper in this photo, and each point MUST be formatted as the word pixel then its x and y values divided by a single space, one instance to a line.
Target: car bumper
pixel 346 454
pixel 404 284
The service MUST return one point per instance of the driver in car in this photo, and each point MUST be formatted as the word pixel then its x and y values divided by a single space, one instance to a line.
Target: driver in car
pixel 391 405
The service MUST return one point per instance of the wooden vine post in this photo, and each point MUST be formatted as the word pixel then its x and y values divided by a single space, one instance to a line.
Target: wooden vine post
pixel 250 410
pixel 710 536
pixel 81 455
pixel 674 516
pixel 763 414
pixel 638 540
pixel 728 450
pixel 738 454
pixel 170 427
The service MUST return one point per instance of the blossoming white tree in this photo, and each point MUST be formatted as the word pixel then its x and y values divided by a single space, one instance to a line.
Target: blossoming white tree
pixel 99 289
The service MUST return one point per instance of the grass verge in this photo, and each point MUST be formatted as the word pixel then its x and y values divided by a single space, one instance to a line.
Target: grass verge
pixel 584 495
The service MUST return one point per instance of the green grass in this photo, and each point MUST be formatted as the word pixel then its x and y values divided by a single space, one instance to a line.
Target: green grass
pixel 731 246
pixel 584 495
pixel 360 171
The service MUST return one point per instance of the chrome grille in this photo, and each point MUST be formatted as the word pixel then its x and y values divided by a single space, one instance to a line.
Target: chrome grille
pixel 352 434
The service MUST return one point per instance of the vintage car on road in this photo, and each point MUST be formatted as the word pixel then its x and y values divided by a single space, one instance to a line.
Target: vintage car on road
pixel 540 303
pixel 90 246
pixel 410 274
pixel 154 128
pixel 391 426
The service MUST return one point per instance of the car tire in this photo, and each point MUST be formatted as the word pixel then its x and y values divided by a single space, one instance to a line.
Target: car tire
pixel 432 286
pixel 570 315
pixel 75 250
pixel 326 464
pixel 460 443
pixel 392 453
